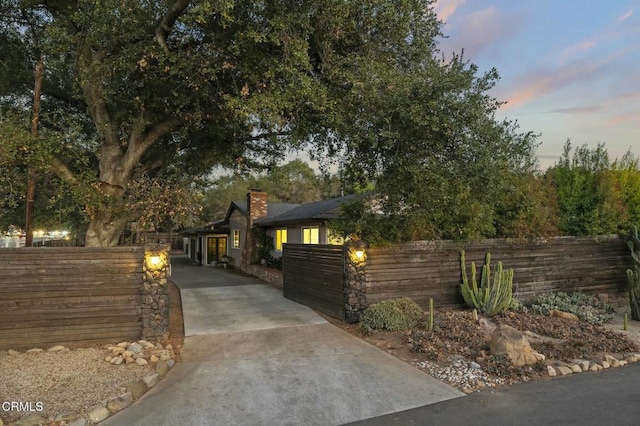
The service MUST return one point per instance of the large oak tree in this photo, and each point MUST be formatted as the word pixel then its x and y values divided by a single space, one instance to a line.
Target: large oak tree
pixel 143 95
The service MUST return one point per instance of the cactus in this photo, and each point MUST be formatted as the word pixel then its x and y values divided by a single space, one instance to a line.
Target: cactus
pixel 492 297
pixel 633 275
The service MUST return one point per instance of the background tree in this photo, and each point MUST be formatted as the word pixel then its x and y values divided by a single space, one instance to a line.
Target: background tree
pixel 295 182
pixel 590 199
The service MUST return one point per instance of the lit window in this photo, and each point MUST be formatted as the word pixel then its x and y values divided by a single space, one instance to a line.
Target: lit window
pixel 281 238
pixel 236 238
pixel 311 235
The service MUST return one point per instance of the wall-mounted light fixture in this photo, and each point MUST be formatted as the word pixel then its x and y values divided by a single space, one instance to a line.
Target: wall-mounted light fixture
pixel 155 260
pixel 357 251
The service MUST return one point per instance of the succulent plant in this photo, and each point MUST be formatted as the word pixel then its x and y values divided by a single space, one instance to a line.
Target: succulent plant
pixel 493 296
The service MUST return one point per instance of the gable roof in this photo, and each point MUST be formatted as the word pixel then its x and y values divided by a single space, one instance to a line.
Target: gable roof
pixel 312 212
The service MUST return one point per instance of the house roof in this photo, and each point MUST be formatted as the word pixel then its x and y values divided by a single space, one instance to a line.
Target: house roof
pixel 278 214
pixel 203 229
pixel 312 212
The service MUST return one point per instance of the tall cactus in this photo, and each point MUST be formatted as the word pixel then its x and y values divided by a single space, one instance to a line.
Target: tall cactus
pixel 491 298
pixel 633 275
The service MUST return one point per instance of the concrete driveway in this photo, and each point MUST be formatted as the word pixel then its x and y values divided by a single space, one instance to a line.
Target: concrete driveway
pixel 252 357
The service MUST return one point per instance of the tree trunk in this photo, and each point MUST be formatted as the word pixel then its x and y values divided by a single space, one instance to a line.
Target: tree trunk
pixel 104 231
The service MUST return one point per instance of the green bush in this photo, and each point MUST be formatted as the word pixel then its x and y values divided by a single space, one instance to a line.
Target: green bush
pixel 392 315
pixel 587 308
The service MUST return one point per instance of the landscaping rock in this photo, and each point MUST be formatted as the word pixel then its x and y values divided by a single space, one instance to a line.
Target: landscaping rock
pixel 31 420
pixel 551 371
pixel 562 314
pixel 35 351
pixel 585 365
pixel 154 358
pixel 137 389
pixel 98 414
pixel 117 360
pixel 172 362
pixel 564 371
pixel 162 368
pixel 605 364
pixel 141 361
pixel 66 416
pixel 151 380
pixel 12 352
pixel 576 368
pixel 506 340
pixel 78 422
pixel 135 348
pixel 57 348
pixel 123 345
pixel 117 350
pixel 119 402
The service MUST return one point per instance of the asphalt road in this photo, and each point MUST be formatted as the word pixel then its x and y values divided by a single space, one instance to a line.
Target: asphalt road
pixel 610 397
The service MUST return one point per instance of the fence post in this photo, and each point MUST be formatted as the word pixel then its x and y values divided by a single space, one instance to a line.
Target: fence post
pixel 355 291
pixel 155 291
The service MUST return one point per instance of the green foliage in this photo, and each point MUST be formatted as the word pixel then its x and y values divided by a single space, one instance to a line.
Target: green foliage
pixel 265 244
pixel 633 275
pixel 587 308
pixel 595 196
pixel 294 182
pixel 492 296
pixel 361 218
pixel 392 315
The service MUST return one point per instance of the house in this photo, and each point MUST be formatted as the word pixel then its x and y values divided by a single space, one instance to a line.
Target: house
pixel 305 224
pixel 231 240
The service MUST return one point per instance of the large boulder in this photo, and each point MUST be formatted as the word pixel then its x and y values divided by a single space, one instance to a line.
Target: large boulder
pixel 508 341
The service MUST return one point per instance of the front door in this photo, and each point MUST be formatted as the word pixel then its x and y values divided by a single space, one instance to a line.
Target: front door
pixel 216 248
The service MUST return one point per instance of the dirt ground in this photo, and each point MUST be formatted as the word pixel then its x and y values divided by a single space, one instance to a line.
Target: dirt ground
pixel 456 336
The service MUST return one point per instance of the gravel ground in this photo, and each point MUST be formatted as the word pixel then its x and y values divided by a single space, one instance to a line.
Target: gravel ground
pixel 75 380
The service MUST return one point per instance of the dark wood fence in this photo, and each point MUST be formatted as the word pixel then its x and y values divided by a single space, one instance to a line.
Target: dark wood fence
pixel 313 276
pixel 423 270
pixel 69 295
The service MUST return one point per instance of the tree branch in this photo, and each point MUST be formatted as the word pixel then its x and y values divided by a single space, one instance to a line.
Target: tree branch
pixel 164 27
pixel 138 146
pixel 63 171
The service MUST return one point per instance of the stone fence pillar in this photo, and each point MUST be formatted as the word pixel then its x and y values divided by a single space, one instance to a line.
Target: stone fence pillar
pixel 355 290
pixel 155 292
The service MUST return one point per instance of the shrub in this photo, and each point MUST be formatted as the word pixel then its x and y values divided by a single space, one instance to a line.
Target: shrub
pixel 392 315
pixel 585 307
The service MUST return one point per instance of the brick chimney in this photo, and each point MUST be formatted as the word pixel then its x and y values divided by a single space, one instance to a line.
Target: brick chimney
pixel 256 205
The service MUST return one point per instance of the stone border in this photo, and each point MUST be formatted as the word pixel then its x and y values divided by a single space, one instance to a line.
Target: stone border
pixel 141 352
pixel 580 365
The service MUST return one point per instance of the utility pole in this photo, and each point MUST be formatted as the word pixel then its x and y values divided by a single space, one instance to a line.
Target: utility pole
pixel 31 183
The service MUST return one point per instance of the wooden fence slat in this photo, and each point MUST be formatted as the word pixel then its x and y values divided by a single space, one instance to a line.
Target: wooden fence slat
pixel 69 295
pixel 426 269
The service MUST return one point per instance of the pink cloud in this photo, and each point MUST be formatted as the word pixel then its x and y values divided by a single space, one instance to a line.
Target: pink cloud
pixel 480 30
pixel 577 48
pixel 626 16
pixel 446 8
pixel 544 81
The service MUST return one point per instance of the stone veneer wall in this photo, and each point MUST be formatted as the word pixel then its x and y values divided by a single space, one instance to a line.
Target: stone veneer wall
pixel 355 292
pixel 271 275
pixel 154 311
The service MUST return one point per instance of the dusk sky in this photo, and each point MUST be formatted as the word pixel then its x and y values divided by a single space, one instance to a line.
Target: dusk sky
pixel 568 68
